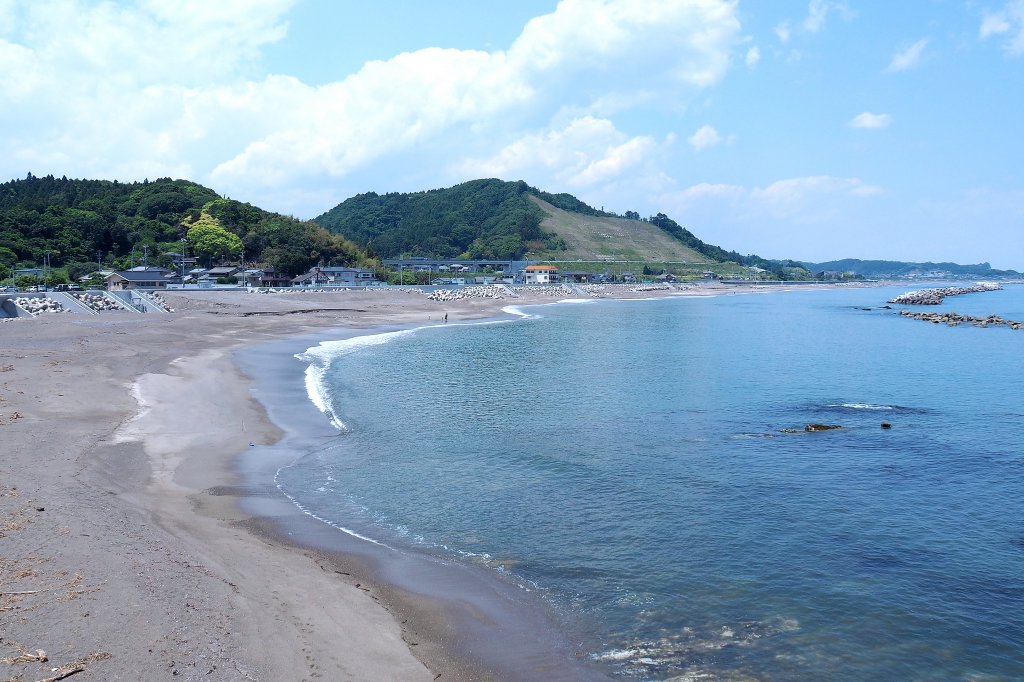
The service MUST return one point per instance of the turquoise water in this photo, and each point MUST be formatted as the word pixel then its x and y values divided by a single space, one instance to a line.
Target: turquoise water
pixel 627 460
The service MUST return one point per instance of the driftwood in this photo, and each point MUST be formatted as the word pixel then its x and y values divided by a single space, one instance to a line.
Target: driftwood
pixel 25 657
pixel 76 667
pixel 66 671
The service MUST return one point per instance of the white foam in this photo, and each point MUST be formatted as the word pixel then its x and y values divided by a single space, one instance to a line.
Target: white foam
pixel 330 523
pixel 516 310
pixel 863 406
pixel 618 654
pixel 319 358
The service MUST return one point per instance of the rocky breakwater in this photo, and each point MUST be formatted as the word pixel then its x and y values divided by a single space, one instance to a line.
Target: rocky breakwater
pixel 955 319
pixel 554 292
pixel 936 296
pixel 98 302
pixel 37 306
pixel 467 292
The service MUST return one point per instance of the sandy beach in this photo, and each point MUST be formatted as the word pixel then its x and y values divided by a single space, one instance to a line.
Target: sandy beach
pixel 126 552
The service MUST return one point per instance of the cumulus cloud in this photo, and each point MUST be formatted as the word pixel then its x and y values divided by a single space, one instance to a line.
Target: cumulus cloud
pixel 585 152
pixel 908 58
pixel 705 137
pixel 869 121
pixel 126 89
pixel 1007 22
pixel 753 56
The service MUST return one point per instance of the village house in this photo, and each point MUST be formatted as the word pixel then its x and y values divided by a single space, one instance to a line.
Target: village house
pixel 540 274
pixel 136 279
pixel 331 275
pixel 273 278
pixel 223 272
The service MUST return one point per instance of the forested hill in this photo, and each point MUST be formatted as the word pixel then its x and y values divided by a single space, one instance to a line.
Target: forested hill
pixel 882 269
pixel 477 219
pixel 73 220
pixel 496 219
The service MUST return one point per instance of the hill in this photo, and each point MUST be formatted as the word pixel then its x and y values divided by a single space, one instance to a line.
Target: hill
pixel 477 219
pixel 75 221
pixel 601 237
pixel 887 269
pixel 496 219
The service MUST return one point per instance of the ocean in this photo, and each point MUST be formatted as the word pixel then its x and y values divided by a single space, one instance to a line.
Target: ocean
pixel 642 468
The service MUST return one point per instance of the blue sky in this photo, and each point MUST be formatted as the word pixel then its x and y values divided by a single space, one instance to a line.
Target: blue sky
pixel 810 129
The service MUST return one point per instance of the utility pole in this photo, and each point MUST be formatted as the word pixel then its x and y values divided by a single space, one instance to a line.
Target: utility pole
pixel 145 256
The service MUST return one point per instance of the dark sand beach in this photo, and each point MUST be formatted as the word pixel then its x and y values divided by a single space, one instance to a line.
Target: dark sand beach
pixel 142 536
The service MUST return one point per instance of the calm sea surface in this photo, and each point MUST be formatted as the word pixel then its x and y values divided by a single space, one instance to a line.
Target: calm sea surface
pixel 628 461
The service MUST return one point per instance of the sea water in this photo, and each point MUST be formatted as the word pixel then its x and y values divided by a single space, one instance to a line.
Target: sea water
pixel 643 467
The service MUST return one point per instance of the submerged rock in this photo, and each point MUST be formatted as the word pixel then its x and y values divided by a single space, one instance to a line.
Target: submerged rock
pixel 821 427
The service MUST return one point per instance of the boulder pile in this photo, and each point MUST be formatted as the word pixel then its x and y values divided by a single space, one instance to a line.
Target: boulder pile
pixel 953 319
pixel 935 296
pixel 39 305
pixel 98 302
pixel 467 292
pixel 554 292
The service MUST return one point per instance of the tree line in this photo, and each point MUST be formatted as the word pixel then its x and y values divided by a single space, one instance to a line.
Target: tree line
pixel 81 225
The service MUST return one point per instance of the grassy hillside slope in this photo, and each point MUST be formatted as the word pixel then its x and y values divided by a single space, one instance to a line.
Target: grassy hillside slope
pixel 601 238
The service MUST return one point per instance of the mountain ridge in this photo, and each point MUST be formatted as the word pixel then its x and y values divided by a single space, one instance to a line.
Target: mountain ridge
pixel 498 219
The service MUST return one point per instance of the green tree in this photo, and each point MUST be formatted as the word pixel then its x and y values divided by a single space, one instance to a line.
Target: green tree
pixel 209 238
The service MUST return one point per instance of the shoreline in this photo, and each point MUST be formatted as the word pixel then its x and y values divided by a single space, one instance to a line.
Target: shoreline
pixel 142 505
pixel 467 622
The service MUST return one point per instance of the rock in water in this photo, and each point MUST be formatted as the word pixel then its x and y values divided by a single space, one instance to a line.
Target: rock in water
pixel 821 427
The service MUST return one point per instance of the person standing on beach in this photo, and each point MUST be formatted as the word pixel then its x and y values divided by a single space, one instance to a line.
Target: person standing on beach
pixel 446 318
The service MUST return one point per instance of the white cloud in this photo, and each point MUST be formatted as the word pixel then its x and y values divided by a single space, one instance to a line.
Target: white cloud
pixel 869 121
pixel 783 31
pixel 787 197
pixel 788 218
pixel 585 152
pixel 705 137
pixel 908 58
pixel 689 41
pixel 710 191
pixel 789 194
pixel 753 56
pixel 817 12
pixel 1008 22
pixel 102 89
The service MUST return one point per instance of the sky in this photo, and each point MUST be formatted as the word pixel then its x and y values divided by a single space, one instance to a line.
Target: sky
pixel 804 129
